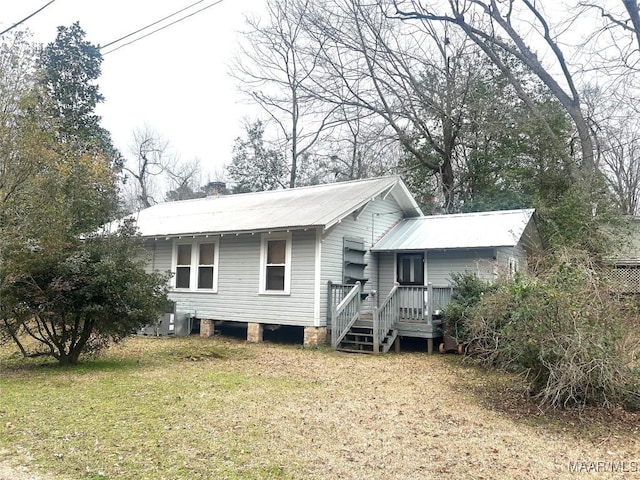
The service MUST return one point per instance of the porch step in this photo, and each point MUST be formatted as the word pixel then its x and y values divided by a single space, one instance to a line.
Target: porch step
pixel 359 339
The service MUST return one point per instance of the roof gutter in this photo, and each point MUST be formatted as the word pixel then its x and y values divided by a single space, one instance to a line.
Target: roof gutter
pixel 231 232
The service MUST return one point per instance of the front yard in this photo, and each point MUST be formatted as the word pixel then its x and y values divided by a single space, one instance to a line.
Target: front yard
pixel 191 408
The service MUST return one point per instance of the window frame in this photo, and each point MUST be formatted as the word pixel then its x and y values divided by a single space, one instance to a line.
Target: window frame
pixel 195 264
pixel 264 244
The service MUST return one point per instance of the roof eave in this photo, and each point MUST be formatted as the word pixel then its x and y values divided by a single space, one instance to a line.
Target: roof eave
pixel 422 249
pixel 231 232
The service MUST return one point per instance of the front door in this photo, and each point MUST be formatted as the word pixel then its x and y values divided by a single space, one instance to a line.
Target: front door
pixel 410 268
pixel 410 277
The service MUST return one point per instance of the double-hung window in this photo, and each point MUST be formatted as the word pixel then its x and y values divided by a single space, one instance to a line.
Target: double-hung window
pixel 275 269
pixel 196 264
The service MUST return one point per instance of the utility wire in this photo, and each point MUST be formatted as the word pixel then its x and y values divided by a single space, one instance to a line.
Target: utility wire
pixel 151 24
pixel 158 29
pixel 26 18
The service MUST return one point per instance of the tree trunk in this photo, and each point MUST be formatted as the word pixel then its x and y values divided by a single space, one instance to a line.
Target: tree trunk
pixel 448 182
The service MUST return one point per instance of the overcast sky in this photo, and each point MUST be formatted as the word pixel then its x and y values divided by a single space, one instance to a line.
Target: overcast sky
pixel 175 81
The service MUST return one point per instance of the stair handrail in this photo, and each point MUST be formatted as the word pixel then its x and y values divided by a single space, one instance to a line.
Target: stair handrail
pixel 345 315
pixel 384 317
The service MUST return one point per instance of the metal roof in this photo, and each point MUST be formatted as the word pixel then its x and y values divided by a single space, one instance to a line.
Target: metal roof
pixel 465 230
pixel 319 205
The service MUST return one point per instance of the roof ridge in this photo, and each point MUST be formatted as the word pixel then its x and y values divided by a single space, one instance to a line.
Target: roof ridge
pixel 476 214
pixel 271 192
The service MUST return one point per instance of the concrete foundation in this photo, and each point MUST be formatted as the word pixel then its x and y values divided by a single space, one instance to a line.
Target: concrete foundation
pixel 206 328
pixel 255 332
pixel 315 336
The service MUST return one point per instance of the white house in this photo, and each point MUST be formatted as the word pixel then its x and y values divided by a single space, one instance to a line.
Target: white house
pixel 291 257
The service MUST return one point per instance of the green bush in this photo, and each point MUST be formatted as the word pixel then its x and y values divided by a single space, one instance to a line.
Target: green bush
pixel 574 340
pixel 468 290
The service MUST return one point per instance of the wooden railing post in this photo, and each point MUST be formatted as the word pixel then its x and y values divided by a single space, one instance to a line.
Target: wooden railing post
pixel 334 327
pixel 376 330
pixel 330 301
pixel 429 303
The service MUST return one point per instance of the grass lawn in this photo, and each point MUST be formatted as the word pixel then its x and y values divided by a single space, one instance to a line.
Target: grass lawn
pixel 191 408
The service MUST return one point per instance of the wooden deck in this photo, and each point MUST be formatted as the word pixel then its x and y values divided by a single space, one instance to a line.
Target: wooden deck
pixel 411 311
pixel 419 329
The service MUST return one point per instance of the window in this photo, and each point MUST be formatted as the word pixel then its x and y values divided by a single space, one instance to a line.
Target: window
pixel 183 267
pixel 513 266
pixel 276 263
pixel 206 265
pixel 195 265
pixel 411 268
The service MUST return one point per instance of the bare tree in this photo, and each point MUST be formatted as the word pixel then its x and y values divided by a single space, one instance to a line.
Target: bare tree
pixel 621 165
pixel 184 180
pixel 412 78
pixel 631 6
pixel 155 170
pixel 618 145
pixel 422 80
pixel 509 28
pixel 151 156
pixel 364 146
pixel 273 66
pixel 619 32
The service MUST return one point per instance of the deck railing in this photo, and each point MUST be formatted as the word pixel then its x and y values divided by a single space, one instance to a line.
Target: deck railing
pixel 384 318
pixel 439 297
pixel 335 294
pixel 419 303
pixel 402 304
pixel 345 314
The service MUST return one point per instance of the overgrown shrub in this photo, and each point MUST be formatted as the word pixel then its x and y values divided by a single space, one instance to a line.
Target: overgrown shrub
pixel 468 290
pixel 575 341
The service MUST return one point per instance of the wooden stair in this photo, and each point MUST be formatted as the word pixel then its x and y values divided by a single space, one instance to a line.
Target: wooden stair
pixel 359 338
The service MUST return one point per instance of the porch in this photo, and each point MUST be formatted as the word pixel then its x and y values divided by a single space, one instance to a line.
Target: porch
pixel 408 311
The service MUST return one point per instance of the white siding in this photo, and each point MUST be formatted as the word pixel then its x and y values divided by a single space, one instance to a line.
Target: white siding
pixel 387 274
pixel 530 239
pixel 237 298
pixel 159 255
pixel 375 220
pixel 440 264
pixel 505 253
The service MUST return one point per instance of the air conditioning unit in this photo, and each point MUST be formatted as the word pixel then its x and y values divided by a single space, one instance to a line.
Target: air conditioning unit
pixel 164 326
pixel 183 324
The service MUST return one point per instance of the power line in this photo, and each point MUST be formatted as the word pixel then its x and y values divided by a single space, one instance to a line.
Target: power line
pixel 151 24
pixel 26 18
pixel 158 29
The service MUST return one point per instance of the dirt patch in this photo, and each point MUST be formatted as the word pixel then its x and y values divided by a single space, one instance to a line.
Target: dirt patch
pixel 8 472
pixel 419 416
